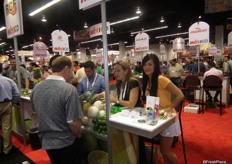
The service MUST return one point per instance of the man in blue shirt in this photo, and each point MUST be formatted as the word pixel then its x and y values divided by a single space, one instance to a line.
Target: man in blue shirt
pixel 9 94
pixel 93 82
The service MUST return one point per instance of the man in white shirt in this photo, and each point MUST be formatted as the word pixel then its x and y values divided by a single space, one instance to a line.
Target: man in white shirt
pixel 215 72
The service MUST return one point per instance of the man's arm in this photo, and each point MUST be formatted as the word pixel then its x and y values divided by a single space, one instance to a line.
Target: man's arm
pixel 75 126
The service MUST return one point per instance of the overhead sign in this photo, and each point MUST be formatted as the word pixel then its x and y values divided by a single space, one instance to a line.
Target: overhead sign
pixel 193 50
pixel 81 35
pixel 162 50
pixel 13 18
pixel 96 30
pixel 141 42
pixel 60 41
pixel 230 43
pixel 198 34
pixel 40 49
pixel 86 4
pixel 178 45
pixel 213 51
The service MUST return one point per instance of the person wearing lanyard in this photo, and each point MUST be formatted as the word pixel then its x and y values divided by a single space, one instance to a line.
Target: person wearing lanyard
pixel 128 89
pixel 9 93
pixel 93 82
pixel 127 94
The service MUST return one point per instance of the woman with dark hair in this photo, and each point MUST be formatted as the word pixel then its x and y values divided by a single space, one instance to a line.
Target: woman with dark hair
pixel 128 89
pixel 155 84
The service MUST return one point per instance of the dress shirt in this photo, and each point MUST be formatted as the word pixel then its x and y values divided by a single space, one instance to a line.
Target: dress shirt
pixel 215 72
pixel 8 90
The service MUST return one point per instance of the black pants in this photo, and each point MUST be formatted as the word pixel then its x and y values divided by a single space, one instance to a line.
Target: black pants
pixel 71 154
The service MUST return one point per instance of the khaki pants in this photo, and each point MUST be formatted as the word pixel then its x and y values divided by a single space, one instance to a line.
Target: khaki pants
pixel 6 122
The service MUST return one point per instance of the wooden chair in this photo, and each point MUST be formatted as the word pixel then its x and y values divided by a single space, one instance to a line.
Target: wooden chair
pixel 213 83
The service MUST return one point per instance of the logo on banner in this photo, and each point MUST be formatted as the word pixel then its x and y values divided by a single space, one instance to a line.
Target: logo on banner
pixel 13 18
pixel 96 30
pixel 178 45
pixel 40 49
pixel 141 42
pixel 60 41
pixel 198 34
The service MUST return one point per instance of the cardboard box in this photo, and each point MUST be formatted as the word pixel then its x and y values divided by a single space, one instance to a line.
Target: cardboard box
pixel 192 108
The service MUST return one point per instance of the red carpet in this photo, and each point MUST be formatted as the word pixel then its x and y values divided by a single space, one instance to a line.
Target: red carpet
pixel 207 137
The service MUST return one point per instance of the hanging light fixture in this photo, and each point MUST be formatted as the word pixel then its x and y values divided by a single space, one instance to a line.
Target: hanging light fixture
pixel 43 19
pixel 138 11
pixel 85 25
pixel 162 19
pixel 112 31
pixel 179 25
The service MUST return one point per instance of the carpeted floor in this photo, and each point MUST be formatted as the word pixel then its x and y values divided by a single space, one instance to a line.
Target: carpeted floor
pixel 15 157
pixel 207 137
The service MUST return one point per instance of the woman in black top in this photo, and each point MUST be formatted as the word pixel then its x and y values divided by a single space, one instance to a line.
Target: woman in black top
pixel 128 91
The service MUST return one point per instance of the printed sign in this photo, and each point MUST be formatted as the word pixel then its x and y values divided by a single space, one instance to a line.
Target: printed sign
pixel 213 51
pixel 141 42
pixel 40 49
pixel 162 50
pixel 60 41
pixel 178 45
pixel 152 102
pixel 193 50
pixel 86 4
pixel 198 34
pixel 96 30
pixel 13 18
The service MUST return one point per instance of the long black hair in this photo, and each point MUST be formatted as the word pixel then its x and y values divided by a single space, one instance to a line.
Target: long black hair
pixel 155 75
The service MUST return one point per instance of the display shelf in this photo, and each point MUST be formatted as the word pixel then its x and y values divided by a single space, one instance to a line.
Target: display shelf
pixel 88 130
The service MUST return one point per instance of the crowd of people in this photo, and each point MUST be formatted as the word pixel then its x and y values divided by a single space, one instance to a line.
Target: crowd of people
pixel 57 104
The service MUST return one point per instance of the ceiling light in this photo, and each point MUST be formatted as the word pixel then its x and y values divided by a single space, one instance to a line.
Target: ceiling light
pixel 176 34
pixel 3 43
pixel 112 31
pixel 40 38
pixel 113 44
pixel 44 19
pixel 90 41
pixel 44 7
pixel 179 25
pixel 85 25
pixel 124 20
pixel 2 28
pixel 162 19
pixel 138 11
pixel 152 29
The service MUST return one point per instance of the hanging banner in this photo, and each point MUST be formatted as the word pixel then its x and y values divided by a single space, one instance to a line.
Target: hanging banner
pixel 230 40
pixel 13 18
pixel 60 41
pixel 193 50
pixel 213 51
pixel 88 3
pixel 96 30
pixel 198 34
pixel 178 45
pixel 40 49
pixel 162 50
pixel 141 42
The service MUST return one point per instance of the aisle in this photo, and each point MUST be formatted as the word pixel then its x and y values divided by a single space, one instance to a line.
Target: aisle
pixel 207 137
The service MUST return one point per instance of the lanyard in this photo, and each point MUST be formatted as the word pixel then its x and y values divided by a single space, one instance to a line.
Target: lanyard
pixel 95 78
pixel 123 93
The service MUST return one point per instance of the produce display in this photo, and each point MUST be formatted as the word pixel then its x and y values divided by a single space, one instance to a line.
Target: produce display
pixel 36 75
pixel 100 125
pixel 26 92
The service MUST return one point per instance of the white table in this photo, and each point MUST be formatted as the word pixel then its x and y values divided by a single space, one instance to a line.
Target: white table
pixel 131 125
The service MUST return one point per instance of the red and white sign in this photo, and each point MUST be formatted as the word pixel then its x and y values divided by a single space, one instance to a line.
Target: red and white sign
pixel 193 50
pixel 13 18
pixel 88 3
pixel 141 42
pixel 40 49
pixel 198 34
pixel 162 50
pixel 60 41
pixel 230 40
pixel 178 45
pixel 213 51
pixel 96 30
